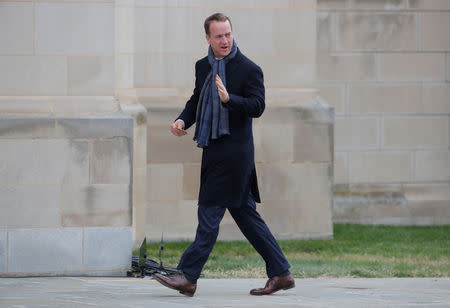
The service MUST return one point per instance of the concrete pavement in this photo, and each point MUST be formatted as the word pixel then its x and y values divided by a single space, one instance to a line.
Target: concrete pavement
pixel 136 292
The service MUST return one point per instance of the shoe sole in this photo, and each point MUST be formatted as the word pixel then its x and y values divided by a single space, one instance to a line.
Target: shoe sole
pixel 171 287
pixel 285 288
pixel 187 293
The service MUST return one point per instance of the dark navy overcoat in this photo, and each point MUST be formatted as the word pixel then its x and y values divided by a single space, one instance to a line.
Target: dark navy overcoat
pixel 228 172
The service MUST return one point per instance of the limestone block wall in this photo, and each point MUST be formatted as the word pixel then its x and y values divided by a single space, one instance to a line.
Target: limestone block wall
pixel 66 148
pixel 294 161
pixel 65 189
pixel 158 42
pixel 384 66
pixel 57 48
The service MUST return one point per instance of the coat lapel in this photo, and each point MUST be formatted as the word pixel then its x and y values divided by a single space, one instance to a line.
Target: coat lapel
pixel 234 63
pixel 234 80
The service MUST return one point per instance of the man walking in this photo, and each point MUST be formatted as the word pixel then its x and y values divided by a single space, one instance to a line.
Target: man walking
pixel 229 92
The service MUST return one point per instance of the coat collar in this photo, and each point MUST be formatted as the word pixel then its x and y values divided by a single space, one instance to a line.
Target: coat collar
pixel 233 64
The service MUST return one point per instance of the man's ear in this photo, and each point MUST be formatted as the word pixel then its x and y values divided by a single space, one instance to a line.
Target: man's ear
pixel 208 38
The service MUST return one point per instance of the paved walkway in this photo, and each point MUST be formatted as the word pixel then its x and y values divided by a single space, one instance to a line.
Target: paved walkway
pixel 135 292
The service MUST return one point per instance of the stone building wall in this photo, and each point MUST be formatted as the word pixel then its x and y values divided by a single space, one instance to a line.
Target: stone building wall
pixel 57 48
pixel 65 201
pixel 66 148
pixel 74 76
pixel 158 41
pixel 384 66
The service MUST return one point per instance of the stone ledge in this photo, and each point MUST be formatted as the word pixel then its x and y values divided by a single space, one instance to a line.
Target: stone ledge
pixel 65 126
pixel 58 105
pixel 409 204
pixel 177 97
pixel 282 105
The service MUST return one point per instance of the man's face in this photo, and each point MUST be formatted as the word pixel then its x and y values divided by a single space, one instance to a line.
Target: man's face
pixel 220 38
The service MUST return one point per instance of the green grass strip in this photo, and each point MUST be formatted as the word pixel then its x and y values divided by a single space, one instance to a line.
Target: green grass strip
pixel 355 251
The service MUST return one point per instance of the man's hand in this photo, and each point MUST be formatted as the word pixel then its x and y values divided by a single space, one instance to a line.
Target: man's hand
pixel 177 128
pixel 223 93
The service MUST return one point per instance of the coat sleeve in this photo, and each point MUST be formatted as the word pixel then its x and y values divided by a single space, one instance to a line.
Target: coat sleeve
pixel 189 112
pixel 252 101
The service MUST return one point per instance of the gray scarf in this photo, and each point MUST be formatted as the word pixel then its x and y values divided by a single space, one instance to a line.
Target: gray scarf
pixel 212 118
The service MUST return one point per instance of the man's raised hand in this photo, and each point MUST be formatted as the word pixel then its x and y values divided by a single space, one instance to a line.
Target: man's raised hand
pixel 177 128
pixel 223 93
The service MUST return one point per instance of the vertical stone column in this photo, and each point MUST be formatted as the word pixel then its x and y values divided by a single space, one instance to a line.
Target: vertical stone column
pixel 139 180
pixel 128 65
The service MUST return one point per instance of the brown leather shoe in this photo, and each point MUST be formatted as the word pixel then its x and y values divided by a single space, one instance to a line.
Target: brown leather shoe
pixel 177 282
pixel 275 284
